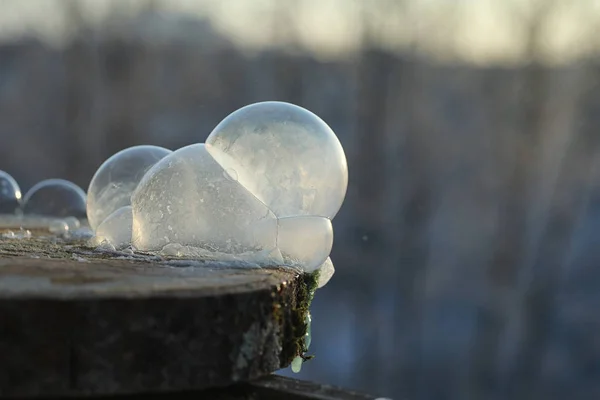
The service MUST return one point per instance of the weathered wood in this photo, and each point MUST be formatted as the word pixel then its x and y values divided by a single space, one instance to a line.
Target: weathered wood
pixel 76 323
pixel 271 387
pixel 279 387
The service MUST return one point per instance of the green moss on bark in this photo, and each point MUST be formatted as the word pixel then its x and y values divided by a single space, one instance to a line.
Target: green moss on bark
pixel 294 327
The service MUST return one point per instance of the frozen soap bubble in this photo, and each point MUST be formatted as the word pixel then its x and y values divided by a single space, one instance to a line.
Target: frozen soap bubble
pixel 285 155
pixel 116 179
pixel 58 226
pixel 188 199
pixel 305 241
pixel 55 198
pixel 115 229
pixel 10 194
pixel 73 223
pixel 326 271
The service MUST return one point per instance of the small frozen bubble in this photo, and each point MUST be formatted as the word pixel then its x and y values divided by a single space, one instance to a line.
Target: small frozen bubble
pixel 285 155
pixel 116 179
pixel 55 198
pixel 20 234
pixel 297 364
pixel 326 271
pixel 8 235
pixel 73 223
pixel 188 192
pixel 305 241
pixel 116 229
pixel 58 227
pixel 24 234
pixel 106 247
pixel 10 194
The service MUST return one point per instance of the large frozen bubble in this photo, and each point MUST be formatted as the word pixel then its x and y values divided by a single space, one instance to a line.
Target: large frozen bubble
pixel 115 229
pixel 116 179
pixel 304 241
pixel 10 194
pixel 285 155
pixel 55 198
pixel 188 199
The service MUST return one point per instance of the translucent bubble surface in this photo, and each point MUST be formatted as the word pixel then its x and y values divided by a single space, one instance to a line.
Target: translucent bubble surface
pixel 58 227
pixel 305 241
pixel 326 271
pixel 115 229
pixel 73 223
pixel 10 194
pixel 285 155
pixel 187 198
pixel 55 198
pixel 116 179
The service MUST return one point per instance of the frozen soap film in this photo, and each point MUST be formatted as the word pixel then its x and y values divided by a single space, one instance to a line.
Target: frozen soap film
pixel 188 199
pixel 288 157
pixel 116 179
pixel 115 229
pixel 55 198
pixel 10 194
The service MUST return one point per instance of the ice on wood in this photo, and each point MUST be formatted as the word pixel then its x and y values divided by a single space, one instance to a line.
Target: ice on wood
pixel 116 179
pixel 304 241
pixel 115 229
pixel 187 198
pixel 285 155
pixel 55 198
pixel 10 194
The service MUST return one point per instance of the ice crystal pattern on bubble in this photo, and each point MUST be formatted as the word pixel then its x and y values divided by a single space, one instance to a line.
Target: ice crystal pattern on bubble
pixel 266 185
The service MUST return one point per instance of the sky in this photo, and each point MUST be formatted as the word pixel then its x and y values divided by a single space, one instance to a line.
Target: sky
pixel 476 31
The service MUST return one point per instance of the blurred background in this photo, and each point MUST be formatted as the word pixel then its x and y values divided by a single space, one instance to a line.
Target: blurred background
pixel 468 248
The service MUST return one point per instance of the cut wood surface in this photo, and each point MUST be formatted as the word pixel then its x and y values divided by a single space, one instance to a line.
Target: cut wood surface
pixel 74 321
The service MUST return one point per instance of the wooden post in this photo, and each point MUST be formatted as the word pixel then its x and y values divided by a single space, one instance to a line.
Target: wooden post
pixel 78 322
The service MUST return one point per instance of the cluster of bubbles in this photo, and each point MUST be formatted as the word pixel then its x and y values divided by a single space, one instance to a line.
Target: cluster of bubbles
pixel 54 204
pixel 264 187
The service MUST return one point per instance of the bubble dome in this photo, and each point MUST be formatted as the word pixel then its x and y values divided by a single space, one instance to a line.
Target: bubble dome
pixel 55 198
pixel 115 229
pixel 187 198
pixel 10 194
pixel 116 179
pixel 288 157
pixel 305 241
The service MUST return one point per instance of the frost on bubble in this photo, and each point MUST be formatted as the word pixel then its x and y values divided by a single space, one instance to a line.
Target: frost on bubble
pixel 10 194
pixel 289 158
pixel 187 198
pixel 116 179
pixel 55 198
pixel 262 190
pixel 305 241
pixel 115 229
pixel 326 271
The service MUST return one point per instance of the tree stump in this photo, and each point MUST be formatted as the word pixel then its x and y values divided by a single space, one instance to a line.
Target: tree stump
pixel 77 322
